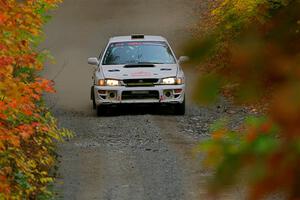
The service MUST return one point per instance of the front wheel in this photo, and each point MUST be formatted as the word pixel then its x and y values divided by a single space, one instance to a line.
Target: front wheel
pixel 179 109
pixel 94 103
pixel 93 98
pixel 101 111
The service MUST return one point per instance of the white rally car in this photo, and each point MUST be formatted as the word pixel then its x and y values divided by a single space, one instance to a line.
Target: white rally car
pixel 138 69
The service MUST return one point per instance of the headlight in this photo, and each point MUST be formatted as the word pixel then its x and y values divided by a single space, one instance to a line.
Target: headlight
pixel 172 81
pixel 112 82
pixel 169 81
pixel 108 82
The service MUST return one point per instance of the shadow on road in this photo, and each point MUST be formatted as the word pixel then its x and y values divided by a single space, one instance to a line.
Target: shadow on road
pixel 122 110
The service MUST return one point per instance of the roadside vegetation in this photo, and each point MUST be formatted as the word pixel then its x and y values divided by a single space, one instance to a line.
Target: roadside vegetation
pixel 28 132
pixel 251 54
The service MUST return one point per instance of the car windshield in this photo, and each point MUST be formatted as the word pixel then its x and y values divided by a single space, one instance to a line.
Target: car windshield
pixel 122 53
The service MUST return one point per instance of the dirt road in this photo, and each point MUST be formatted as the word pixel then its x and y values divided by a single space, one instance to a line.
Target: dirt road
pixel 135 155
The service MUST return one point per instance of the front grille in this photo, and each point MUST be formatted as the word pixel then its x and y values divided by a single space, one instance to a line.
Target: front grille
pixel 139 95
pixel 140 82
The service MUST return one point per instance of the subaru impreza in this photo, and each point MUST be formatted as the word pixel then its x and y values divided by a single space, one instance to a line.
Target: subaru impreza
pixel 138 69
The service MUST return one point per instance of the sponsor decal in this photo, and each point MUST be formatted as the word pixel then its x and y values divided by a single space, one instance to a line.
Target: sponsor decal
pixel 140 74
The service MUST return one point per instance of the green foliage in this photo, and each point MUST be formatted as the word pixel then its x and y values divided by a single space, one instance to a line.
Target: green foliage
pixel 21 180
pixel 208 89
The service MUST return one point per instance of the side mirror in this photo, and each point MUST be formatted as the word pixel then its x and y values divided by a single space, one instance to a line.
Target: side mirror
pixel 183 59
pixel 93 61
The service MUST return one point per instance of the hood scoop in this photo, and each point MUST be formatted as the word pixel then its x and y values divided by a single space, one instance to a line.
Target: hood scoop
pixel 114 70
pixel 139 65
pixel 165 69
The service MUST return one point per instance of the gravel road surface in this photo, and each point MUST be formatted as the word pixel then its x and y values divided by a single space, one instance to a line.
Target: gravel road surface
pixel 138 153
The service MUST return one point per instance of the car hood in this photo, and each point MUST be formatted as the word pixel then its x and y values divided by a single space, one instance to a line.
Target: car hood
pixel 121 72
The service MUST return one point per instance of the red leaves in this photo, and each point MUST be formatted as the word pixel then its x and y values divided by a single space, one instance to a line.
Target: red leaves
pixel 2 47
pixel 26 60
pixel 2 18
pixel 12 104
pixel 6 60
pixel 26 130
pixel 4 186
pixel 45 85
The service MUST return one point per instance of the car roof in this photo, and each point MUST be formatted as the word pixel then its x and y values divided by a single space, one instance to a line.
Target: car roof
pixel 145 38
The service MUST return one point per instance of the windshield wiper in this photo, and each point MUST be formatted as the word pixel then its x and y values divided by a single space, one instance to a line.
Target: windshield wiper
pixel 150 63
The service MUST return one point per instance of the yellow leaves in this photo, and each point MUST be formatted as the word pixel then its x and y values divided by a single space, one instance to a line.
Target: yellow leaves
pixel 232 14
pixel 32 164
pixel 46 161
pixel 216 11
pixel 46 180
pixel 242 6
pixel 2 146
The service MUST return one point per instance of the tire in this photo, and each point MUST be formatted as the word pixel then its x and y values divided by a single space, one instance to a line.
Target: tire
pixel 94 104
pixel 100 110
pixel 179 109
pixel 93 98
pixel 92 92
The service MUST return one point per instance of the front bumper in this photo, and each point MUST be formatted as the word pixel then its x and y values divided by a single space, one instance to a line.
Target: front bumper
pixel 154 94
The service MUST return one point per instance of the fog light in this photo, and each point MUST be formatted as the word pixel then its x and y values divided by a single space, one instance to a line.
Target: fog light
pixel 168 93
pixel 178 91
pixel 112 95
pixel 102 91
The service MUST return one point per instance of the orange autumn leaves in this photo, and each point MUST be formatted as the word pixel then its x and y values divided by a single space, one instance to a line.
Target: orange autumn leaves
pixel 27 129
